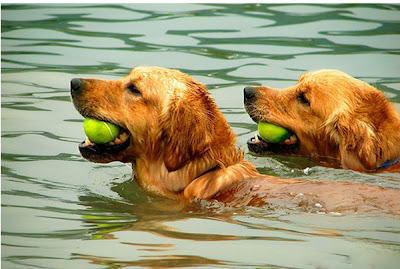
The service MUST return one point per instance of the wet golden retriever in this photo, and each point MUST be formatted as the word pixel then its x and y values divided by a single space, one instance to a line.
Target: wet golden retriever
pixel 335 117
pixel 181 147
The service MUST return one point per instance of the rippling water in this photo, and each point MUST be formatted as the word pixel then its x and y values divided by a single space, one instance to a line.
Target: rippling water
pixel 60 211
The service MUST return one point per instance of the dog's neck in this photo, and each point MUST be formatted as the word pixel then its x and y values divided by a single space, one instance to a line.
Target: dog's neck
pixel 155 177
pixel 389 143
pixel 204 175
pixel 391 161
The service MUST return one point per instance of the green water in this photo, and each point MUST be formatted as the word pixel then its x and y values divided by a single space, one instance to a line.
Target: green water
pixel 60 211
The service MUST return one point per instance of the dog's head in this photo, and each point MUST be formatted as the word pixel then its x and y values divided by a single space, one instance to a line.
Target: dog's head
pixel 164 115
pixel 332 115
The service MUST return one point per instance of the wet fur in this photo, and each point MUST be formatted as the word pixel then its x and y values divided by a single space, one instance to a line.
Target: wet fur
pixel 346 119
pixel 182 147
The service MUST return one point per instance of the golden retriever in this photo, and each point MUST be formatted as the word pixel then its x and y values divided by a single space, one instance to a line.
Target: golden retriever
pixel 335 117
pixel 181 147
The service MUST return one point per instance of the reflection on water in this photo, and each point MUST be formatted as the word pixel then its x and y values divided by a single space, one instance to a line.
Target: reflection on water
pixel 60 211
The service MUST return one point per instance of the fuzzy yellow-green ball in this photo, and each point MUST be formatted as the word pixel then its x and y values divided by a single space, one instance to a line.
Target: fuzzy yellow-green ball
pixel 272 133
pixel 100 132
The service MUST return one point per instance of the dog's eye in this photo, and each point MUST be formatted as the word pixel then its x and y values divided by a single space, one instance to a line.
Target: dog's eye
pixel 132 88
pixel 302 99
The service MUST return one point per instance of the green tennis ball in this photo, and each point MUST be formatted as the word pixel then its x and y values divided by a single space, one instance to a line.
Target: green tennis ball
pixel 272 133
pixel 100 132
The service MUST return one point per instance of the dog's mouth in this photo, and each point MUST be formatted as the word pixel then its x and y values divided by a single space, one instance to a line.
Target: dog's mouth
pixel 257 145
pixel 119 144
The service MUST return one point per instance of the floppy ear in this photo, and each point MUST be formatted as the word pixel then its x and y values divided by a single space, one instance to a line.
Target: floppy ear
pixel 356 137
pixel 187 125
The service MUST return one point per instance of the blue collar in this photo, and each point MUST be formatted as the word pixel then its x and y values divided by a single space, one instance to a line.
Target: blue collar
pixel 388 163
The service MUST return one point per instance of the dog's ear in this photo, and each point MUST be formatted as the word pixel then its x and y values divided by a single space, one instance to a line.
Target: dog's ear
pixel 356 138
pixel 188 125
pixel 356 129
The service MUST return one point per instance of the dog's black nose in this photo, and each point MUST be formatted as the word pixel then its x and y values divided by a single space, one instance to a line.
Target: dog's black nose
pixel 76 85
pixel 249 93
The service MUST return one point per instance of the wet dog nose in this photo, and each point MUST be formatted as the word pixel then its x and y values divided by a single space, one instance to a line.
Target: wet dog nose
pixel 76 85
pixel 249 93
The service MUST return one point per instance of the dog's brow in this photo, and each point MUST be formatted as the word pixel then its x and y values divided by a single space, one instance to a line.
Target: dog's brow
pixel 134 79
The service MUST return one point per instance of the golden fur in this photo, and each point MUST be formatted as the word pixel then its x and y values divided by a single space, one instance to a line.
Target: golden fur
pixel 181 147
pixel 334 115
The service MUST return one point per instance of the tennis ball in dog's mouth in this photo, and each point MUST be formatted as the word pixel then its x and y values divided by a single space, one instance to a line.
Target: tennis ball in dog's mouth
pixel 100 132
pixel 272 133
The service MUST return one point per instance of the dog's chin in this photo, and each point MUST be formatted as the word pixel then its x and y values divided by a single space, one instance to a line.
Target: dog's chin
pixel 103 153
pixel 259 146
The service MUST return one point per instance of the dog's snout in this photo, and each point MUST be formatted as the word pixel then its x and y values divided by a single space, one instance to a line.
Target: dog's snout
pixel 76 85
pixel 249 93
